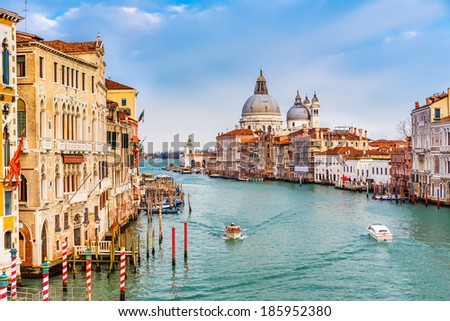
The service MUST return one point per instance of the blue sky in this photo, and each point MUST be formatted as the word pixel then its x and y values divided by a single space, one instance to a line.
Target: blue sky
pixel 195 63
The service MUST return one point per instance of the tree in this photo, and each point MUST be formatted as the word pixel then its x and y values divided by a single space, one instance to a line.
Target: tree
pixel 404 128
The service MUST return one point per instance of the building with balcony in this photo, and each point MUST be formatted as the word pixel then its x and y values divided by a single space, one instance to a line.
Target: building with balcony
pixel 62 112
pixel 121 100
pixel 401 164
pixel 122 166
pixel 430 149
pixel 9 179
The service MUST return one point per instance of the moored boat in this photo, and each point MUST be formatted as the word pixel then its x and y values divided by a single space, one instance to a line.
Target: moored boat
pixel 379 232
pixel 214 176
pixel 186 170
pixel 233 231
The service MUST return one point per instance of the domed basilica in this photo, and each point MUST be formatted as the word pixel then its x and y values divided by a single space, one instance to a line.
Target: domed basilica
pixel 262 112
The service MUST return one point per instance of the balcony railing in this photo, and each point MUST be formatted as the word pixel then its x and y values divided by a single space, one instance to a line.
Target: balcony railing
pixel 64 145
pixel 445 149
pixel 122 188
pixel 76 197
pixel 46 143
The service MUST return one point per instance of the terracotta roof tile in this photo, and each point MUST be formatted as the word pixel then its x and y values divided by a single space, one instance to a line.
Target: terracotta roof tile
pixel 237 132
pixel 112 85
pixel 73 47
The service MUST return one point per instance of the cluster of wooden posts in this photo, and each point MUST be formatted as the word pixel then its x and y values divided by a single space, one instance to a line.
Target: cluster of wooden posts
pixel 94 253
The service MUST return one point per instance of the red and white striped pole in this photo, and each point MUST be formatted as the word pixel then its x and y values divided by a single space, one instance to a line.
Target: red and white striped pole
pixel 122 274
pixel 13 273
pixel 3 286
pixel 64 266
pixel 45 280
pixel 88 275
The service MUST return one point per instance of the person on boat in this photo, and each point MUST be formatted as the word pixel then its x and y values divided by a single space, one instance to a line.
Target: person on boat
pixel 232 224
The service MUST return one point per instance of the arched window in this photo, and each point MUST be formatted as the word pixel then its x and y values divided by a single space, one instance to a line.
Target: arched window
pixel 21 118
pixel 8 240
pixel 5 62
pixel 6 147
pixel 23 190
pixel 59 183
pixel 42 118
pixel 43 184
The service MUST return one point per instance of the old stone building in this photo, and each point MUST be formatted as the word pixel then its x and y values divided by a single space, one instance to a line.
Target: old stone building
pixel 62 111
pixel 9 180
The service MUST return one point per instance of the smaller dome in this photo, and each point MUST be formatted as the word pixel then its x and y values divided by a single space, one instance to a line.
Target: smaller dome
pixel 306 101
pixel 315 99
pixel 297 113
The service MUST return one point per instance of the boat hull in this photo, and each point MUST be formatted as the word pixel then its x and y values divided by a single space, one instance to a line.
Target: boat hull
pixel 382 237
pixel 233 232
pixel 380 233
pixel 233 235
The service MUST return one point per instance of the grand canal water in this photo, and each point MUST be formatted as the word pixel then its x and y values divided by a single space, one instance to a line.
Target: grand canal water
pixel 304 242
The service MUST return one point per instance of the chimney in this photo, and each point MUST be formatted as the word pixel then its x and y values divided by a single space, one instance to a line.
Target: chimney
pixel 417 104
pixel 428 100
pixel 360 133
pixel 365 133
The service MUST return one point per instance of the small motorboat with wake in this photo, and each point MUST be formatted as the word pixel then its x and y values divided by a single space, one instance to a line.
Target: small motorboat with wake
pixel 380 232
pixel 233 231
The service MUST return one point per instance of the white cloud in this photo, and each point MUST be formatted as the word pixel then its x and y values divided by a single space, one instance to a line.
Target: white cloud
pixel 378 17
pixel 142 18
pixel 178 9
pixel 42 23
pixel 404 36
pixel 129 10
pixel 70 13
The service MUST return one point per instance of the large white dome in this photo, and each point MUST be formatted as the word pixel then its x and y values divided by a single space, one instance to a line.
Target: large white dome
pixel 261 111
pixel 261 104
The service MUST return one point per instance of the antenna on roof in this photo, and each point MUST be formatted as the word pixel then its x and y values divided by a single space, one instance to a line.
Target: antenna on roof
pixel 25 15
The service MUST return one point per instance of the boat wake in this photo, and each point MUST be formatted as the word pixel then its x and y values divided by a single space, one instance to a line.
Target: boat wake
pixel 224 237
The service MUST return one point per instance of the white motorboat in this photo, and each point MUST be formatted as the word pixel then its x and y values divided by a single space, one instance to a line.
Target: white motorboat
pixel 380 232
pixel 233 231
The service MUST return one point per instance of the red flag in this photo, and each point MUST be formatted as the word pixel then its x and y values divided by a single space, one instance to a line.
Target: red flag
pixel 14 165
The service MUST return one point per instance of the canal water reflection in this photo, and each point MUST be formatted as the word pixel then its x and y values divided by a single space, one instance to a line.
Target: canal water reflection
pixel 305 242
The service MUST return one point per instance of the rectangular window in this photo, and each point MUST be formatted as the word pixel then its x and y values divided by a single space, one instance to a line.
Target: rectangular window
pixel 437 113
pixel 21 66
pixel 92 84
pixel 55 72
pixel 111 138
pixel 68 76
pixel 72 73
pixel 83 81
pixel 5 66
pixel 8 201
pixel 66 220
pixel 124 102
pixel 41 67
pixel 124 140
pixel 22 122
pixel 63 74
pixel 86 215
pixel 57 223
pixel 76 79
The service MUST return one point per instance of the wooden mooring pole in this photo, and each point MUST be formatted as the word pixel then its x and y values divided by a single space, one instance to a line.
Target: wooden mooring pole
pixel 173 246
pixel 185 241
